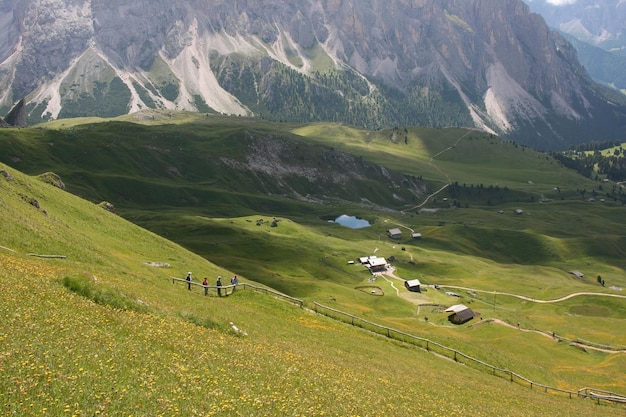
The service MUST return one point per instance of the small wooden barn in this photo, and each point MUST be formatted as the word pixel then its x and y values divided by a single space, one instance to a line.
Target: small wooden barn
pixel 413 285
pixel 460 313
pixel 394 233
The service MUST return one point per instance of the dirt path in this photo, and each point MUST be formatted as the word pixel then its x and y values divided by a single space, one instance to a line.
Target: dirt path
pixel 401 225
pixel 451 147
pixel 392 286
pixel 440 171
pixel 5 248
pixel 521 329
pixel 427 199
pixel 410 297
pixel 534 300
pixel 391 274
pixel 549 336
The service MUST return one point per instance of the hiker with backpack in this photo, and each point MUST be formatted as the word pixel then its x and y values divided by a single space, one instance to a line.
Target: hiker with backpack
pixel 219 286
pixel 205 284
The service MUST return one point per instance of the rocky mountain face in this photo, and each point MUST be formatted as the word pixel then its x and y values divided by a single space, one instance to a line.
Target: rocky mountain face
pixel 490 64
pixel 598 22
pixel 597 29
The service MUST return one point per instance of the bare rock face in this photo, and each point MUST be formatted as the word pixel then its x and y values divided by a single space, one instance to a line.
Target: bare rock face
pixel 598 32
pixel 490 64
pixel 10 15
pixel 54 32
pixel 599 23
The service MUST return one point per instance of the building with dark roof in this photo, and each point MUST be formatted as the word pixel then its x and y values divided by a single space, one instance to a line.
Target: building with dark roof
pixel 413 285
pixel 460 313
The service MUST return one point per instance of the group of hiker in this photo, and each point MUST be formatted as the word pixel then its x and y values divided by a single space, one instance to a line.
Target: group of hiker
pixel 233 282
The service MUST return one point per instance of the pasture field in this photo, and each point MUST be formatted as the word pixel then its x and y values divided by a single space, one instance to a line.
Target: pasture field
pixel 95 330
pixel 513 270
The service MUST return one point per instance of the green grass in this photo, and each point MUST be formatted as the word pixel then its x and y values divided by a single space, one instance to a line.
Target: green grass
pixel 62 352
pixel 160 176
pixel 453 155
pixel 101 295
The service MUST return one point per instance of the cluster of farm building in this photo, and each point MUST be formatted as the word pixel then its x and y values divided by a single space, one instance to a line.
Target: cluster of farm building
pixel 378 264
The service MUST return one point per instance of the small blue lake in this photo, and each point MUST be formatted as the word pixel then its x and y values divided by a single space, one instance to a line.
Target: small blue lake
pixel 352 222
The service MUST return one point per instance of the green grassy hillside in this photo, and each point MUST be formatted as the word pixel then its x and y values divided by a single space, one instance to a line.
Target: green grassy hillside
pixel 170 351
pixel 255 198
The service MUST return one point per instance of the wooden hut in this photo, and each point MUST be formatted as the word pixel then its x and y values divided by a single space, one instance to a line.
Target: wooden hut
pixel 460 313
pixel 413 285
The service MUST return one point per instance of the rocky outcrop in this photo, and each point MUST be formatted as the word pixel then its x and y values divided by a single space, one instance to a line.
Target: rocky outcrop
pixel 52 179
pixel 17 115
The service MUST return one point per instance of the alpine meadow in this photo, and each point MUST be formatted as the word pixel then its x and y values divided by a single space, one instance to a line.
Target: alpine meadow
pixel 102 219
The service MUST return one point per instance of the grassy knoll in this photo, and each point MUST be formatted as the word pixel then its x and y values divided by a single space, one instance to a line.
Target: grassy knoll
pixel 452 155
pixel 64 353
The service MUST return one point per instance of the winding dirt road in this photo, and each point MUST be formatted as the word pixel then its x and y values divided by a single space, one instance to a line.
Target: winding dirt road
pixel 391 274
pixel 550 336
pixel 534 300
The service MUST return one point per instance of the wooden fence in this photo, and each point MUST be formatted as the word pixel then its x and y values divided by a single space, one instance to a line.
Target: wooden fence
pixel 460 357
pixel 224 290
pixel 275 293
pixel 427 344
pixel 587 343
pixel 227 290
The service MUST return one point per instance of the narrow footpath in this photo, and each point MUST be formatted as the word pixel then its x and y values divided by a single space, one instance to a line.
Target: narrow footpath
pixel 391 274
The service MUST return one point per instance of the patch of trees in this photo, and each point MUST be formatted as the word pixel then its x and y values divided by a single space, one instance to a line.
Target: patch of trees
pixel 581 165
pixel 111 99
pixel 595 145
pixel 280 93
pixel 490 194
pixel 616 193
pixel 612 166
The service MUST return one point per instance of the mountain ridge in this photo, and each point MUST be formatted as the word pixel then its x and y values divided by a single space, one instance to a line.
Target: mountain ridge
pixel 481 63
pixel 596 29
